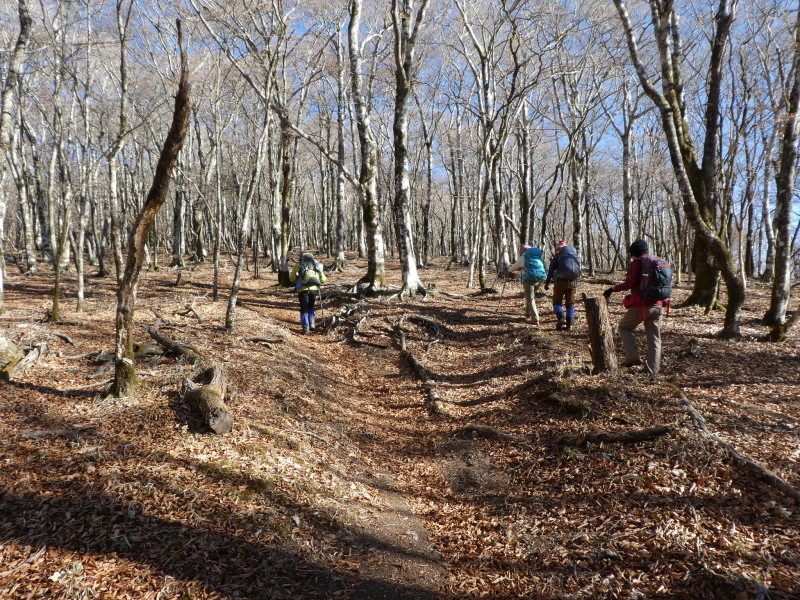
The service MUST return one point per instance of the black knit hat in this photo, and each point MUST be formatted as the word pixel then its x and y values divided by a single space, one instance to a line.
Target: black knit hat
pixel 638 248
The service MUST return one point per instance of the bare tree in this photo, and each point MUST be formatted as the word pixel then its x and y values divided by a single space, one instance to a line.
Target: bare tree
pixel 785 185
pixel 406 25
pixel 7 111
pixel 375 277
pixel 124 370
pixel 698 182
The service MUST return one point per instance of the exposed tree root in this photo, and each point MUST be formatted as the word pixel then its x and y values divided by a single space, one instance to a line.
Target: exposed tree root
pixel 490 433
pixel 27 361
pixel 760 472
pixel 70 433
pixel 615 437
pixel 780 331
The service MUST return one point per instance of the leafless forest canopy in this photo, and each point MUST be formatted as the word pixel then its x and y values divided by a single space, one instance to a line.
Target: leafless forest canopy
pixel 410 129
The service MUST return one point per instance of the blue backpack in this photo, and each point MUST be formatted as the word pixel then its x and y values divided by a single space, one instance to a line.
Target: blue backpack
pixel 534 266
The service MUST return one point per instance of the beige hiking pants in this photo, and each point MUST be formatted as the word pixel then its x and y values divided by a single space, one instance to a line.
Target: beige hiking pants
pixel 652 330
pixel 531 311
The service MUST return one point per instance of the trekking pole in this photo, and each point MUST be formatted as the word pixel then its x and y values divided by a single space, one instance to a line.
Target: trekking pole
pixel 500 299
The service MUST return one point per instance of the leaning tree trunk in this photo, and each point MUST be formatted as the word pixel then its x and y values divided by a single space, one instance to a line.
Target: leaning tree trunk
pixel 698 185
pixel 124 371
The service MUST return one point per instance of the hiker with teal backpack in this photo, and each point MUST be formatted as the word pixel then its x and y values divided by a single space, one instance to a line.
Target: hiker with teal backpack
pixel 533 273
pixel 649 279
pixel 565 269
pixel 307 276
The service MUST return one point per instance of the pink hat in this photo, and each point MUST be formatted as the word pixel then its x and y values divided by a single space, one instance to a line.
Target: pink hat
pixel 561 244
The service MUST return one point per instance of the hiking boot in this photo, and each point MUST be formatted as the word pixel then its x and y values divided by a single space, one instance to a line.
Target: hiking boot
pixel 306 328
pixel 312 323
pixel 633 363
pixel 559 323
pixel 570 321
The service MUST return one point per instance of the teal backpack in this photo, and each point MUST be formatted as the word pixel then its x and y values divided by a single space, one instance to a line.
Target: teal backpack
pixel 534 266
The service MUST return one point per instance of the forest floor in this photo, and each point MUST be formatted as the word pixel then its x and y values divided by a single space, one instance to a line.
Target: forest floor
pixel 337 481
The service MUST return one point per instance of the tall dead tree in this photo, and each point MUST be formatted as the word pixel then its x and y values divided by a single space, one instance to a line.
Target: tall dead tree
pixel 124 371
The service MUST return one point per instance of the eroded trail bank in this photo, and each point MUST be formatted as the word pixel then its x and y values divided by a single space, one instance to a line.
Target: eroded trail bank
pixel 339 481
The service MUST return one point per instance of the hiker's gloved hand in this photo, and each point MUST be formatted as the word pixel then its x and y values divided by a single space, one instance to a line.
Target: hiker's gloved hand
pixel 546 286
pixel 608 292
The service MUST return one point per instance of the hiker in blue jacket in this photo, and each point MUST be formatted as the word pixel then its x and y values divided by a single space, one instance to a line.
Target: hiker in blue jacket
pixel 533 273
pixel 565 270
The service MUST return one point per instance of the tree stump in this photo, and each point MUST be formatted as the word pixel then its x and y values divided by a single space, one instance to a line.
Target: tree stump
pixel 601 336
pixel 207 395
pixel 30 359
pixel 10 355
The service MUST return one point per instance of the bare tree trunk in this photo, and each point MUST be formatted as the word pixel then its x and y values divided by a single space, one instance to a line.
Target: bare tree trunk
pixel 287 176
pixel 114 210
pixel 405 35
pixel 7 111
pixel 124 371
pixel 22 179
pixel 179 225
pixel 341 155
pixel 375 277
pixel 785 183
pixel 252 188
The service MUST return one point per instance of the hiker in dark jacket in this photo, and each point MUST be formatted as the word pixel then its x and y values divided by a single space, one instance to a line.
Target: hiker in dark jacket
pixel 640 310
pixel 308 275
pixel 566 282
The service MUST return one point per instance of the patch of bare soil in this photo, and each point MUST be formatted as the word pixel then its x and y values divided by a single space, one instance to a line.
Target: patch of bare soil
pixel 340 479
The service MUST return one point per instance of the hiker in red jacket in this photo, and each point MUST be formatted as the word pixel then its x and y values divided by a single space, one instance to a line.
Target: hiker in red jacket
pixel 640 310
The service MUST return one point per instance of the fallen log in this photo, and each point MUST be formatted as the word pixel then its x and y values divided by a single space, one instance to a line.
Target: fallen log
pixel 207 395
pixel 188 351
pixel 615 437
pixel 434 402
